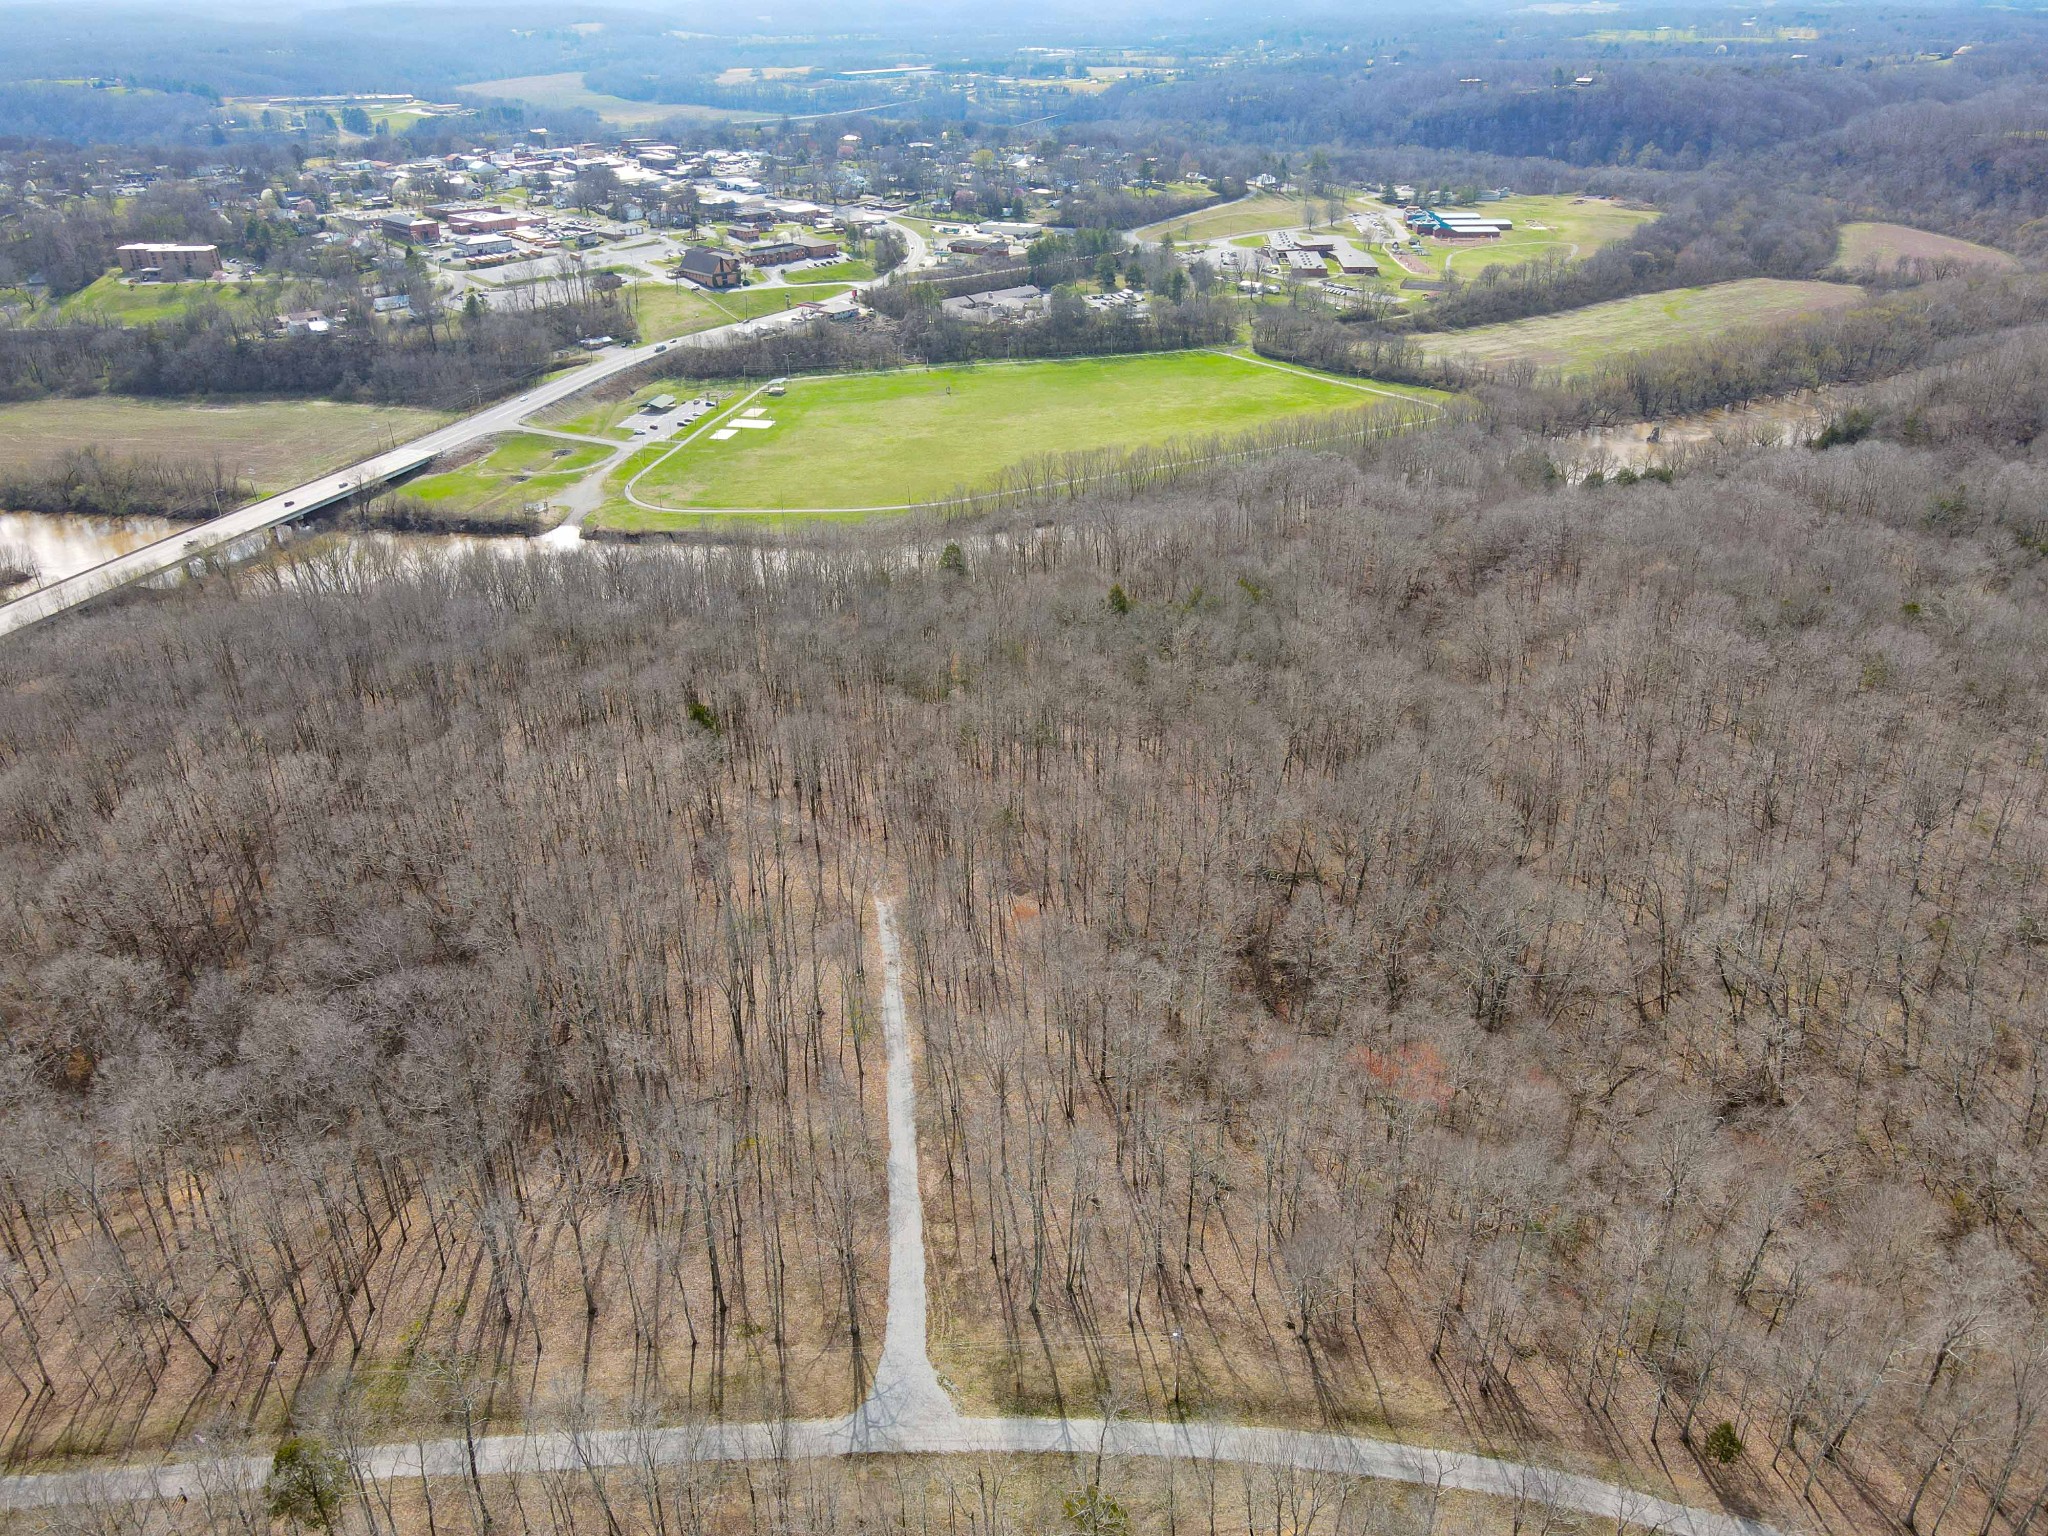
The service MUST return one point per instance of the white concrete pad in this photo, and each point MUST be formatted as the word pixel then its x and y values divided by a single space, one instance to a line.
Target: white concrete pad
pixel 759 410
pixel 748 421
pixel 722 434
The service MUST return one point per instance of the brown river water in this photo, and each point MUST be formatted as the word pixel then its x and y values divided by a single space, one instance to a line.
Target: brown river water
pixel 62 545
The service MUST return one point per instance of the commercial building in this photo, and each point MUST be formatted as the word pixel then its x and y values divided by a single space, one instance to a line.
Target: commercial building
pixel 410 228
pixel 482 221
pixel 998 306
pixel 774 253
pixel 1434 221
pixel 169 262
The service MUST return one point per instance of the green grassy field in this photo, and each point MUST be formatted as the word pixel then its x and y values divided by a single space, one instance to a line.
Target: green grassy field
pixel 670 309
pixel 276 443
pixel 1864 246
pixel 520 469
pixel 1583 338
pixel 607 418
pixel 1544 226
pixel 568 90
pixel 110 298
pixel 883 440
pixel 836 272
pixel 1245 216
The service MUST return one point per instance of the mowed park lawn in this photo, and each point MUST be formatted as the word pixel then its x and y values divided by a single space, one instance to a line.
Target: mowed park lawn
pixel 1581 339
pixel 1864 246
pixel 889 439
pixel 275 443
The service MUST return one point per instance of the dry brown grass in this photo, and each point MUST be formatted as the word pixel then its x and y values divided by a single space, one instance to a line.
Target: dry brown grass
pixel 274 443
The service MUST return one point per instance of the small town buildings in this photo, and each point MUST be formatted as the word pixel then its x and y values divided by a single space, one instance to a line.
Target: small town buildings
pixel 169 263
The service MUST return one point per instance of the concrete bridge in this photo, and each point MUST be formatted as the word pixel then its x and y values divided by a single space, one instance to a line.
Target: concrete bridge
pixel 206 538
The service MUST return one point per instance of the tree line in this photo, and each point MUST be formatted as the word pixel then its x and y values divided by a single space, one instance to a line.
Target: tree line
pixel 926 335
pixel 448 364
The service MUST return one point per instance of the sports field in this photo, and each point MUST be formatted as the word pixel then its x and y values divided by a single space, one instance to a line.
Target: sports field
pixel 276 443
pixel 884 440
pixel 1583 338
pixel 1885 245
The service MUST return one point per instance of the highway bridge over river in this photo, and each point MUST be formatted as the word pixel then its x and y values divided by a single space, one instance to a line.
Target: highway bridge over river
pixel 208 538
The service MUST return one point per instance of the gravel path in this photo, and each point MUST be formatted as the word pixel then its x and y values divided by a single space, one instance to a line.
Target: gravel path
pixel 907 1410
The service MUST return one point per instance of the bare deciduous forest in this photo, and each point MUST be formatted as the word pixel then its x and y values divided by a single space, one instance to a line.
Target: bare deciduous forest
pixel 1398 942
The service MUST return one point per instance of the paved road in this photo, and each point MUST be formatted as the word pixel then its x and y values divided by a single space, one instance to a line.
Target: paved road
pixel 907 1410
pixel 192 543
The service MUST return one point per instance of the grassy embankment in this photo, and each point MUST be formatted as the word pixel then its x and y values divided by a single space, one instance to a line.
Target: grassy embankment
pixel 1581 339
pixel 521 471
pixel 109 298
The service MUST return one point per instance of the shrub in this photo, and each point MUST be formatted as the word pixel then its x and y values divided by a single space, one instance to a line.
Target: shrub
pixel 306 1482
pixel 1723 1444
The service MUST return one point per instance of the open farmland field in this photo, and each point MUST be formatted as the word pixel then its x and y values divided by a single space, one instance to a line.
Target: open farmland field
pixel 883 440
pixel 275 443
pixel 1583 338
pixel 1571 227
pixel 567 90
pixel 1882 246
